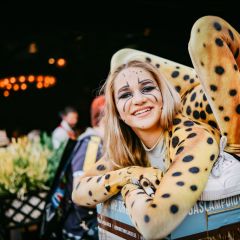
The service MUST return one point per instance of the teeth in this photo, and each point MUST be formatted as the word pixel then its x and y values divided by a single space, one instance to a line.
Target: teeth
pixel 142 111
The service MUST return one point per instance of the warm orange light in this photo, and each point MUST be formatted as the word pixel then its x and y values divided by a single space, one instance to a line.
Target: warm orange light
pixel 5 81
pixel 12 80
pixel 24 86
pixel 61 62
pixel 6 93
pixel 51 60
pixel 22 79
pixel 46 84
pixel 25 82
pixel 52 80
pixel 40 78
pixel 39 85
pixel 32 48
pixel 9 86
pixel 15 87
pixel 31 78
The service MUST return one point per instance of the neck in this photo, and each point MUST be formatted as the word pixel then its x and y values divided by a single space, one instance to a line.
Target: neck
pixel 148 138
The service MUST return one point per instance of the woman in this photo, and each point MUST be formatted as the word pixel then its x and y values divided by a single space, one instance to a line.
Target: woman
pixel 142 110
pixel 145 127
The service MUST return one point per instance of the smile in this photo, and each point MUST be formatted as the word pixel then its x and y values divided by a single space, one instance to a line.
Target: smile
pixel 141 111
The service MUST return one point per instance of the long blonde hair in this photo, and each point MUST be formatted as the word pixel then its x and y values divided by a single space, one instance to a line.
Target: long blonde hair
pixel 121 144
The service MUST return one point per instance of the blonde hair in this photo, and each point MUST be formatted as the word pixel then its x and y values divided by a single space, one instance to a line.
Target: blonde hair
pixel 121 144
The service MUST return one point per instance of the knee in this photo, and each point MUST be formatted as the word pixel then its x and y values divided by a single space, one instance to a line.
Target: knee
pixel 206 27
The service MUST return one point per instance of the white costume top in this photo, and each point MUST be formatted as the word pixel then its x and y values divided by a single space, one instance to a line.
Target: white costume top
pixel 61 134
pixel 157 154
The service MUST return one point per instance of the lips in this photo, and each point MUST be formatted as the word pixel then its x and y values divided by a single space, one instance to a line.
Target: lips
pixel 141 111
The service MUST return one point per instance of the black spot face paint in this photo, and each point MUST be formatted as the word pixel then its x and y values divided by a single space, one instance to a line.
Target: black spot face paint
pixel 124 94
pixel 148 86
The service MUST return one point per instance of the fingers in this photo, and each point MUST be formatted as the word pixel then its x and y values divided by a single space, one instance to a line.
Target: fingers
pixel 146 178
pixel 147 186
pixel 154 177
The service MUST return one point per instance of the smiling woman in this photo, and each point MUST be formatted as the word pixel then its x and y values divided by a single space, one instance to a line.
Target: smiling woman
pixel 146 128
pixel 146 103
pixel 140 101
pixel 146 125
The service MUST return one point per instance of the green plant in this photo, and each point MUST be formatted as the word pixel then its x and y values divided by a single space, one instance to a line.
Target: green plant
pixel 28 164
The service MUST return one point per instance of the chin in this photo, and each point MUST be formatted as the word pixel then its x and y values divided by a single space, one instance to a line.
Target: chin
pixel 145 126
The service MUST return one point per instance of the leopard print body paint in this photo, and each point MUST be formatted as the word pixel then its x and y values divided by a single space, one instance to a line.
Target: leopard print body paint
pixel 103 181
pixel 214 49
pixel 192 150
pixel 210 102
pixel 210 92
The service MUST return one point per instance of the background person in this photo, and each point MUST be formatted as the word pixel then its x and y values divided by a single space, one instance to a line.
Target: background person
pixel 65 130
pixel 81 222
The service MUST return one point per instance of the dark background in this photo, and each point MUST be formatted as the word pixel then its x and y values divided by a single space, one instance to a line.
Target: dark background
pixel 87 41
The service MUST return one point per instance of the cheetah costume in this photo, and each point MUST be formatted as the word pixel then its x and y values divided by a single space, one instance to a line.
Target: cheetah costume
pixel 210 103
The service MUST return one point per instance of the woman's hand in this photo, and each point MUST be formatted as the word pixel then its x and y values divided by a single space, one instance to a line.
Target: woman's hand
pixel 146 178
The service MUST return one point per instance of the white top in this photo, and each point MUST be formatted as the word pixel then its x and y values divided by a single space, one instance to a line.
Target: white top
pixel 60 134
pixel 157 154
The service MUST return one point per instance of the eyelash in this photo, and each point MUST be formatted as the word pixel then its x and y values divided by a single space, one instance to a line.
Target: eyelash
pixel 144 90
pixel 148 89
pixel 125 95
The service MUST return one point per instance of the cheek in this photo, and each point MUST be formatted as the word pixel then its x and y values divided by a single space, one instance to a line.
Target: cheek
pixel 123 108
pixel 159 98
pixel 120 107
pixel 160 101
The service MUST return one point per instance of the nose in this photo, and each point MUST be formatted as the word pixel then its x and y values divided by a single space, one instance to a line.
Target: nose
pixel 139 98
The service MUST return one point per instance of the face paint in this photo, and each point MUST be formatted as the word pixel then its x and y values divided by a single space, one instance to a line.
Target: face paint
pixel 124 94
pixel 148 87
pixel 138 98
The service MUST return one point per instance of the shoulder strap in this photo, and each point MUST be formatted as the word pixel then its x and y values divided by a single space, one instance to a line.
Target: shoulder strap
pixel 91 153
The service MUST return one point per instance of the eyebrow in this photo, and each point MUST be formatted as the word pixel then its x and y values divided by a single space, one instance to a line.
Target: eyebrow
pixel 123 88
pixel 145 81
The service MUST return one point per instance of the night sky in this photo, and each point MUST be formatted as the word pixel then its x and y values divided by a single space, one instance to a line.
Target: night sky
pixel 158 27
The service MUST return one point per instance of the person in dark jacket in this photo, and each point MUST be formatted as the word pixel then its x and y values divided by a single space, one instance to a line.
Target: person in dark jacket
pixel 81 222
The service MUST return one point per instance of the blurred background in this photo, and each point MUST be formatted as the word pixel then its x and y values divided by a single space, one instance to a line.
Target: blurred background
pixel 45 66
pixel 59 55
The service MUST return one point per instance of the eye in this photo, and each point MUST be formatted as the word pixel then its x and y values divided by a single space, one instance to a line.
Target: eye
pixel 148 89
pixel 125 95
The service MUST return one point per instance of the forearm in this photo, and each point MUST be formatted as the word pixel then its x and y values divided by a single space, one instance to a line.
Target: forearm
pixel 158 216
pixel 179 189
pixel 91 190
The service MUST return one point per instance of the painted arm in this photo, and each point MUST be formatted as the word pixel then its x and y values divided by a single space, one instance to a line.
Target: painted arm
pixel 102 182
pixel 193 153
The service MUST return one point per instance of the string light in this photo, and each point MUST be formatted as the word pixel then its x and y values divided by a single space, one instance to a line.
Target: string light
pixel 51 60
pixel 25 82
pixel 61 62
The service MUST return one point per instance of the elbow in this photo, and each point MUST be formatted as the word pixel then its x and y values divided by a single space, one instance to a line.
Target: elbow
pixel 152 232
pixel 78 194
pixel 156 228
pixel 75 198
